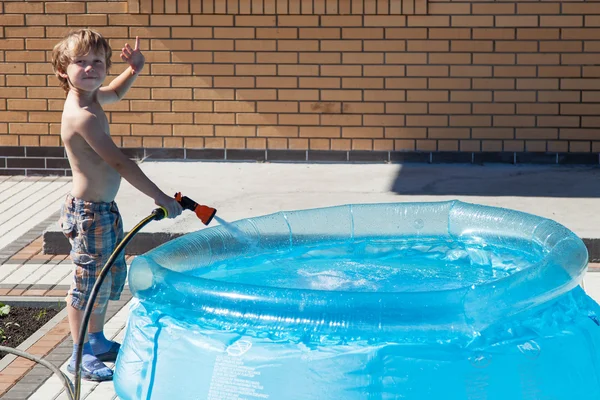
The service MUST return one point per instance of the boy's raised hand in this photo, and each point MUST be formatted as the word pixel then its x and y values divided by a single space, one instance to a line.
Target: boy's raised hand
pixel 133 57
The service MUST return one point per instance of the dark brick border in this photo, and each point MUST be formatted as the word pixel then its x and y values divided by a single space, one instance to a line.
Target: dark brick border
pixel 19 160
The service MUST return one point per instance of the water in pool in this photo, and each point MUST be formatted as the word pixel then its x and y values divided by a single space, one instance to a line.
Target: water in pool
pixel 399 265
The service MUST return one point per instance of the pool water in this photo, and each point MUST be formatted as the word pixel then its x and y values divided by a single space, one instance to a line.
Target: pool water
pixel 400 265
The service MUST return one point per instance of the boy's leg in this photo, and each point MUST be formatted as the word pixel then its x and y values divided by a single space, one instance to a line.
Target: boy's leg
pixel 104 349
pixel 84 229
pixel 92 368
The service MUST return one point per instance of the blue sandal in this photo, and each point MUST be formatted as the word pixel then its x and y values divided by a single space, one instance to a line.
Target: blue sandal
pixel 90 374
pixel 111 354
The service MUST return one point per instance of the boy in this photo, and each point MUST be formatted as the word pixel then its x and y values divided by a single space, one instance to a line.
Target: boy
pixel 90 218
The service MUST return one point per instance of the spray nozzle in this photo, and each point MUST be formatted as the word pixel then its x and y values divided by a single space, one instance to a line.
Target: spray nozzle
pixel 205 213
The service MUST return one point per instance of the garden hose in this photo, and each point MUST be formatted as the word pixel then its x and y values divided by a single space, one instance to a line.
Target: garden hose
pixel 73 389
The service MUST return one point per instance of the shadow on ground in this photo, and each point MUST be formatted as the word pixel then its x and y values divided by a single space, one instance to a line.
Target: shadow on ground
pixel 498 180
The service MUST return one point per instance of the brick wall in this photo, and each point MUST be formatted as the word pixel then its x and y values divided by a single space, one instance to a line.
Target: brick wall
pixel 474 79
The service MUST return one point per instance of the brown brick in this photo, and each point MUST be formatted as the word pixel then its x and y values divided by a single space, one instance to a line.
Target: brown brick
pixel 447 9
pixel 12 20
pixel 319 144
pixel 576 134
pixel 579 147
pixel 495 33
pixel 321 107
pixel 297 20
pixel 557 121
pixel 321 132
pixel 239 33
pixel 405 33
pixel 449 83
pixel 12 44
pixel 28 128
pixel 537 108
pixel 473 46
pixel 427 70
pixel 33 20
pixel 378 70
pixel 298 45
pixel 543 84
pixel 515 71
pixel 384 120
pixel 276 82
pixel 470 71
pixel 426 120
pixel 493 108
pixel 536 133
pixel 243 20
pixel 235 106
pixel 193 130
pixel 561 46
pixel 171 69
pixel 411 133
pixel 364 108
pixel 428 20
pixel 384 20
pixel 581 8
pixel 450 33
pixel 539 8
pixel 341 120
pixel 209 70
pixel 428 45
pixel 370 45
pixel 493 9
pixel 320 58
pixel 538 59
pixel 13 116
pixel 470 120
pixel 448 133
pixel 20 32
pixel 492 133
pixel 278 131
pixel 235 82
pixel 45 117
pixel 561 20
pixel 256 119
pixel 301 144
pixel 562 96
pixel 344 20
pixel 300 94
pixel 341 95
pixel 172 118
pixel 25 56
pixel 578 34
pixel 477 21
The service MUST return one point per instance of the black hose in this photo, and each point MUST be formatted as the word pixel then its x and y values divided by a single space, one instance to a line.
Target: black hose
pixel 157 214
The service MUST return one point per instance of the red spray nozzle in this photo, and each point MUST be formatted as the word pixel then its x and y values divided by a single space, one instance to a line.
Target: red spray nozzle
pixel 205 213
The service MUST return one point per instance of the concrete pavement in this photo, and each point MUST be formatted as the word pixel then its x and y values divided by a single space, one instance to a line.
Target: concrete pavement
pixel 568 195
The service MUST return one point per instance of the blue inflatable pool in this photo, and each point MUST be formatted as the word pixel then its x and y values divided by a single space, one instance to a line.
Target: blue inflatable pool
pixel 441 300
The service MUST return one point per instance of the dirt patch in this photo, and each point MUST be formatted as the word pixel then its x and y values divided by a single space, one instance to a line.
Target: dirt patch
pixel 22 322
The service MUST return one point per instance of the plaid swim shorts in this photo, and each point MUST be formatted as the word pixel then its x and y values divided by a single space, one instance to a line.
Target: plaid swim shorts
pixel 94 230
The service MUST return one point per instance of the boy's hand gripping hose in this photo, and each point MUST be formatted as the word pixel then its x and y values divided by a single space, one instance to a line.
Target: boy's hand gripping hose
pixel 73 390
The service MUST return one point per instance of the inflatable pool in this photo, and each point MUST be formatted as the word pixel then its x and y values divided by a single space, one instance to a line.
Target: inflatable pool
pixel 441 300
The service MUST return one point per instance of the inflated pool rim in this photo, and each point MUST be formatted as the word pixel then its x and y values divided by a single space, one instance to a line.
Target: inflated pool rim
pixel 559 271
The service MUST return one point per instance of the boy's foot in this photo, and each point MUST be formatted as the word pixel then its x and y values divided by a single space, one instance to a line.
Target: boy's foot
pixel 92 369
pixel 104 349
pixel 111 354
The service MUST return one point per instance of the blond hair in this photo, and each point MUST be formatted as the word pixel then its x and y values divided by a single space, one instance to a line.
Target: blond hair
pixel 78 43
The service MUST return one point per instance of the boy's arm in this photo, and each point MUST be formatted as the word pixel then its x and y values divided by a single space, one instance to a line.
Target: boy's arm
pixel 116 90
pixel 94 135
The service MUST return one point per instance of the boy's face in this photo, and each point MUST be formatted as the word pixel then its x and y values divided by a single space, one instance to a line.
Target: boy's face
pixel 86 72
